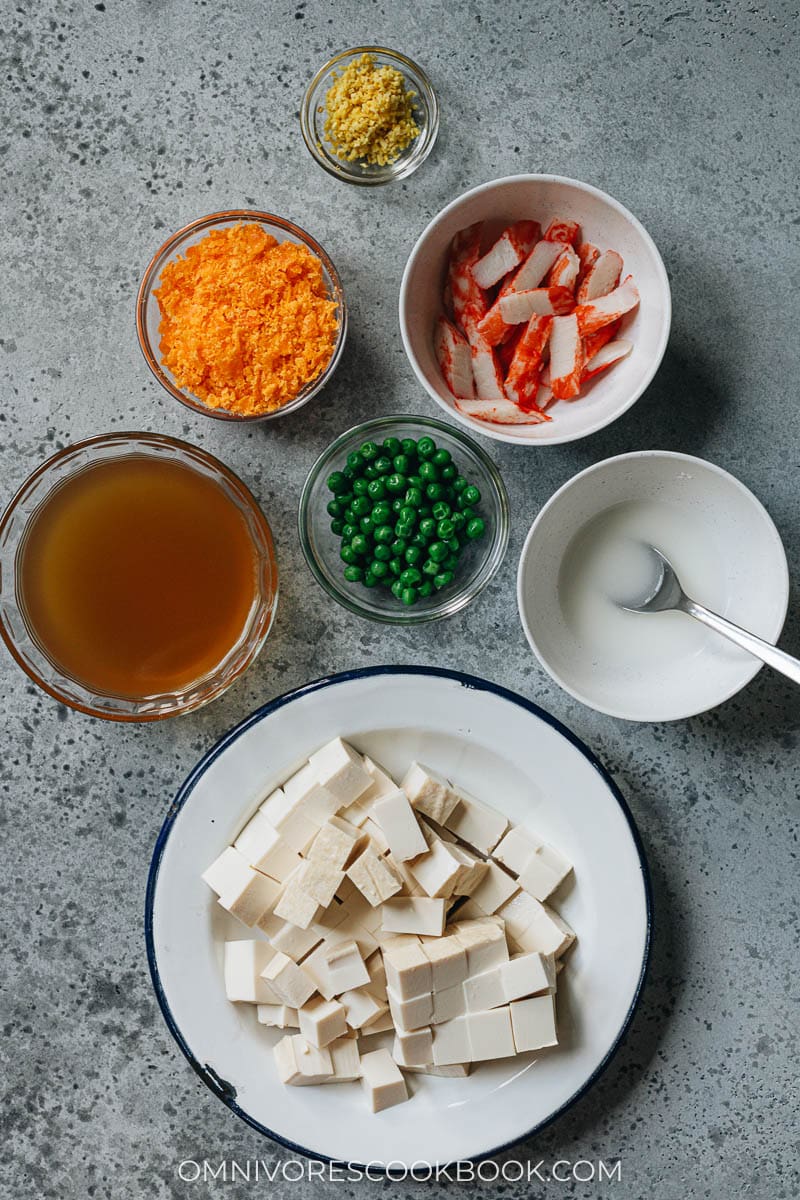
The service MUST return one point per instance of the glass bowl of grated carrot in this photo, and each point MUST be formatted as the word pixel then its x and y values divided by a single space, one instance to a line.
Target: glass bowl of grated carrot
pixel 370 116
pixel 241 316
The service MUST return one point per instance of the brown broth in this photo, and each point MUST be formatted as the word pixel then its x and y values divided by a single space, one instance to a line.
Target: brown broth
pixel 137 576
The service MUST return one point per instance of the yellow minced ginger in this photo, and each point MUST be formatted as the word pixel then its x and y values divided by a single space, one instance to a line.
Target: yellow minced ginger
pixel 246 321
pixel 370 113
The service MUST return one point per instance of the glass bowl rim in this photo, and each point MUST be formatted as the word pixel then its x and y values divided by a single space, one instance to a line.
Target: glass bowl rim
pixel 495 551
pixel 168 250
pixel 345 171
pixel 214 690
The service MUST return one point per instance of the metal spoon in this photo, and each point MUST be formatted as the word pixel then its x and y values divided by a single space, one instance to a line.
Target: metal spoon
pixel 668 594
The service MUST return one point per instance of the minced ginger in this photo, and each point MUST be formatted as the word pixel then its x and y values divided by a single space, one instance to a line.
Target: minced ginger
pixel 246 321
pixel 370 113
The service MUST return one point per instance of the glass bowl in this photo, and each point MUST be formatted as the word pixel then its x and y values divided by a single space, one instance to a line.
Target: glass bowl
pixel 22 642
pixel 479 561
pixel 425 107
pixel 148 313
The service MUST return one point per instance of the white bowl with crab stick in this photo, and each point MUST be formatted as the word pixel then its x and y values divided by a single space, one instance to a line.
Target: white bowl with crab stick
pixel 606 224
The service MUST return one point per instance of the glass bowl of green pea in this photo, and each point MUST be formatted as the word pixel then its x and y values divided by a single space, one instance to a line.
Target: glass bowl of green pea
pixel 404 519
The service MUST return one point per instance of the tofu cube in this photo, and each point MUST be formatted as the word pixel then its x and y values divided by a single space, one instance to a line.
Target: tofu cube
pixel 410 886
pixel 475 823
pixel 278 1016
pixel 414 914
pixel 412 1013
pixel 265 850
pixel 494 889
pixel 535 926
pixel 519 913
pixel 485 991
pixel 319 880
pixel 516 848
pixel 295 905
pixel 381 782
pixel 490 1035
pixel 243 963
pixel 345 966
pixel 322 1021
pixel 472 871
pixel 413 1049
pixel 339 769
pixel 377 976
pixel 382 1080
pixel 429 792
pixel 290 939
pixel 543 872
pixel 451 1042
pixel 374 877
pixel 307 795
pixel 361 1007
pixel 383 1023
pixel 290 983
pixel 484 942
pixel 395 816
pixel 453 1071
pixel 407 969
pixel 251 896
pixel 377 838
pixel 527 975
pixel 449 1003
pixel 438 869
pixel 448 960
pixel 336 844
pixel 345 1059
pixel 227 871
pixel 349 930
pixel 533 1023
pixel 294 825
pixel 300 1064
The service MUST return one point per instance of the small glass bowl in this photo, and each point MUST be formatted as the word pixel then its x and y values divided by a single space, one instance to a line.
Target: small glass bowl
pixel 23 644
pixel 425 108
pixel 148 313
pixel 479 561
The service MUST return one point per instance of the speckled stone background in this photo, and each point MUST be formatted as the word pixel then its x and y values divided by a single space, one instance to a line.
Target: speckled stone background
pixel 120 122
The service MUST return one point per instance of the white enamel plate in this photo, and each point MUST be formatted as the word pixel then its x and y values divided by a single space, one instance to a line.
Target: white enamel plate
pixel 504 750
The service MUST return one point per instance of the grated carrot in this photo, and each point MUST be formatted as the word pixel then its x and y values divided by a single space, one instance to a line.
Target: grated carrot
pixel 246 321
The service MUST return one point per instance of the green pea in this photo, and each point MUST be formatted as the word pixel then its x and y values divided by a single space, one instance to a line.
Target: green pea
pixel 401 464
pixel 384 533
pixel 431 568
pixel 360 486
pixel 413 497
pixel 349 515
pixel 334 508
pixel 471 495
pixel 337 526
pixel 459 520
pixel 399 546
pixel 413 554
pixel 360 544
pixel 404 529
pixel 411 577
pixel 369 579
pixel 428 472
pixel 349 529
pixel 382 553
pixel 368 451
pixel 434 491
pixel 468 512
pixel 449 473
pixel 361 506
pixel 376 488
pixel 383 464
pixel 437 551
pixel 442 458
pixel 475 528
pixel 397 588
pixel 366 525
pixel 345 498
pixel 337 482
pixel 391 445
pixel 353 574
pixel 425 589
pixel 378 568
pixel 348 472
pixel 416 481
pixel 426 447
pixel 407 513
pixel 396 566
pixel 450 563
pixel 445 529
pixel 355 462
pixel 381 512
pixel 419 540
pixel 427 527
pixel 348 554
pixel 408 446
pixel 370 471
pixel 440 510
pixel 442 579
pixel 396 483
pixel 459 483
pixel 409 596
pixel 453 545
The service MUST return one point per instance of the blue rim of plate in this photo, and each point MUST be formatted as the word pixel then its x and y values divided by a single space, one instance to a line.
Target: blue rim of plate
pixel 225 1091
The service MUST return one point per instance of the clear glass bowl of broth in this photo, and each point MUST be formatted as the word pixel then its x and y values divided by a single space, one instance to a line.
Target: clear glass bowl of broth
pixel 137 577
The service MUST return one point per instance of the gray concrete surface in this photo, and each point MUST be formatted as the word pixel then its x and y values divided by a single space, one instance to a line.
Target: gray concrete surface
pixel 121 121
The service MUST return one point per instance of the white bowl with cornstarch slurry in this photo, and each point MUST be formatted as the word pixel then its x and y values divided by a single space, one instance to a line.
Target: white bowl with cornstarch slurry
pixel 583 556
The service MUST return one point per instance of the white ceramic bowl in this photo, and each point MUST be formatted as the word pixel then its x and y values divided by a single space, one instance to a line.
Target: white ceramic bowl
pixel 606 223
pixel 497 745
pixel 743 558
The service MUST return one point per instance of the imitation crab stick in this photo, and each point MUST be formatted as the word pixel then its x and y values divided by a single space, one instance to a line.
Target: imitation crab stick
pixel 549 301
pixel 563 231
pixel 612 352
pixel 566 357
pixel 513 245
pixel 534 268
pixel 522 379
pixel 469 300
pixel 486 372
pixel 455 359
pixel 600 312
pixel 587 256
pixel 601 277
pixel 500 412
pixel 596 341
pixel 564 271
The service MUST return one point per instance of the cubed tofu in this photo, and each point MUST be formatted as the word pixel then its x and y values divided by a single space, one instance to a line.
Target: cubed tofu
pixel 377 976
pixel 295 826
pixel 351 930
pixel 413 1049
pixel 449 1003
pixel 535 926
pixel 544 871
pixel 476 823
pixel 453 1071
pixel 290 939
pixel 533 1023
pixel 377 838
pixel 374 877
pixel 319 880
pixel 414 914
pixel 322 1021
pixel 295 905
pixel 307 795
pixel 438 869
pixel 412 1013
pixel 337 844
pixel 290 983
pixel 494 889
pixel 410 886
pixel 278 1016
pixel 340 769
pixel 484 942
pixel 251 896
pixel 408 969
pixel 227 871
pixel 345 966
pixel 527 975
pixel 448 960
pixel 490 1035
pixel 516 848
pixel 383 1023
pixel 382 1080
pixel 396 818
pixel 265 849
pixel 518 913
pixel 381 784
pixel 346 1061
pixel 361 1007
pixel 451 1042
pixel 473 869
pixel 300 1064
pixel 429 792
pixel 243 963
pixel 485 991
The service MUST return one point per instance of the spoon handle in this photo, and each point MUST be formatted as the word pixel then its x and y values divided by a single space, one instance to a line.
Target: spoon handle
pixel 775 658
